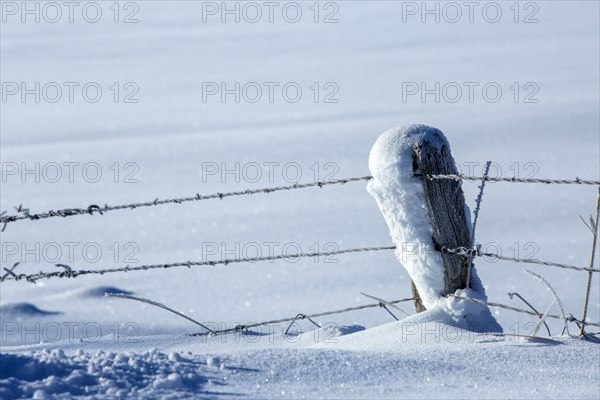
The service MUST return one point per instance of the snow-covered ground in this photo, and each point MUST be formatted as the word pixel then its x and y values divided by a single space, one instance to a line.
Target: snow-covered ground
pixel 62 336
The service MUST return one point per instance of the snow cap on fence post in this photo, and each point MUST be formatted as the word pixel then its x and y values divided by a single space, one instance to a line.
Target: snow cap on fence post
pixel 425 215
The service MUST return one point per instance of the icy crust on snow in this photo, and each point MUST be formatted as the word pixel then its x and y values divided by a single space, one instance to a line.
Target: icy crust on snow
pixel 418 358
pixel 106 375
pixel 402 203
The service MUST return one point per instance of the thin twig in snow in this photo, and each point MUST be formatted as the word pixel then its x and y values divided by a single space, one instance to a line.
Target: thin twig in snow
pixel 545 282
pixel 543 319
pixel 129 297
pixel 478 201
pixel 589 281
pixel 530 306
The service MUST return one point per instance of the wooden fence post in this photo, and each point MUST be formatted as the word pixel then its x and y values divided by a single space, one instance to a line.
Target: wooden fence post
pixel 423 214
pixel 446 208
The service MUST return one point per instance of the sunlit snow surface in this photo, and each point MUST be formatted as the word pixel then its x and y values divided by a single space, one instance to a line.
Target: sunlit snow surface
pixel 107 347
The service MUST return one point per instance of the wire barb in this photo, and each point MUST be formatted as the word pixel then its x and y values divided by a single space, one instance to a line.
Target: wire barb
pixel 10 272
pixel 385 303
pixel 382 305
pixel 300 316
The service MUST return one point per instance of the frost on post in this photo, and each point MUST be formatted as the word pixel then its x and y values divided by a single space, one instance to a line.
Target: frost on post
pixel 426 215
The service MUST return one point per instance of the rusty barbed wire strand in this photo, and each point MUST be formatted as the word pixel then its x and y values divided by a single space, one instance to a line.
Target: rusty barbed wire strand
pixel 24 213
pixel 540 262
pixel 238 328
pixel 463 251
pixel 547 181
pixel 569 317
pixel 69 272
pixel 242 327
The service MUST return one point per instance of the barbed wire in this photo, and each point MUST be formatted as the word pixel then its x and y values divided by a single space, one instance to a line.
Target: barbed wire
pixel 539 262
pixel 69 272
pixel 569 317
pixel 243 327
pixel 239 328
pixel 24 213
pixel 463 251
pixel 547 181
pixel 381 303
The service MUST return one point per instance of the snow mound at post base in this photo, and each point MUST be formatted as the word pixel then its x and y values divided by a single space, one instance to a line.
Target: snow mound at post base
pixel 435 326
pixel 401 199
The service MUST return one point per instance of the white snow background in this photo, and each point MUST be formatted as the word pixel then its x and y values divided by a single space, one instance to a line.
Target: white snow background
pixel 171 132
